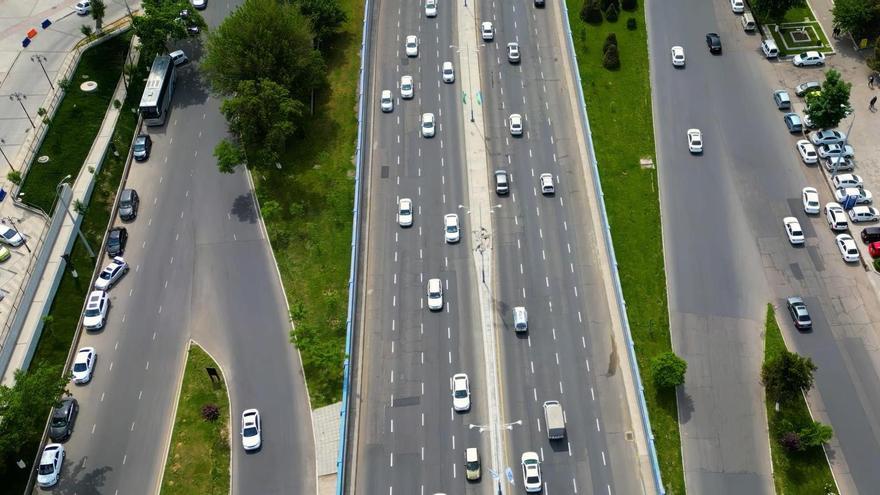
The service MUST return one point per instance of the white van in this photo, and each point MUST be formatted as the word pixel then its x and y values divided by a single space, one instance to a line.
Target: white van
pixel 178 57
pixel 748 22
pixel 863 214
pixel 769 48
pixel 555 420
pixel 520 319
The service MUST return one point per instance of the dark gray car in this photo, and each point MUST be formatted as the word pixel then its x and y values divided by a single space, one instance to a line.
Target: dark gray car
pixel 793 122
pixel 142 146
pixel 63 418
pixel 128 205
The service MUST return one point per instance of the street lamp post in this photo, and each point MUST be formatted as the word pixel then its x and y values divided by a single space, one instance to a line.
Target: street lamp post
pixel 40 59
pixel 15 228
pixel 59 191
pixel 20 97
pixel 2 142
pixel 467 55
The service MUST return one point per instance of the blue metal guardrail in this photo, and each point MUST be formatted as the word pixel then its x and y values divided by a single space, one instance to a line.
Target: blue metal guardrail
pixel 606 234
pixel 353 268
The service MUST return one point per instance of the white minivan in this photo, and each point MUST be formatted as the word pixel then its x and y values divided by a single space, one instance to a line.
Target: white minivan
pixel 769 48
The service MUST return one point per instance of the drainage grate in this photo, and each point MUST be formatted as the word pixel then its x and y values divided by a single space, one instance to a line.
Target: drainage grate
pixel 384 172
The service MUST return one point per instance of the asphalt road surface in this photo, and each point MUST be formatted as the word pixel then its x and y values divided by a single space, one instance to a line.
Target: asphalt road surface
pixel 201 269
pixel 727 256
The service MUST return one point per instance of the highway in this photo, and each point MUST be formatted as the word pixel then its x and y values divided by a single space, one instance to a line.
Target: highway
pixel 407 443
pixel 727 256
pixel 547 260
pixel 202 269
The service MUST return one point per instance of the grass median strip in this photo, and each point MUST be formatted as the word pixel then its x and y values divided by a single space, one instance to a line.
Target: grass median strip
pixel 198 461
pixel 804 472
pixel 76 122
pixel 619 106
pixel 307 207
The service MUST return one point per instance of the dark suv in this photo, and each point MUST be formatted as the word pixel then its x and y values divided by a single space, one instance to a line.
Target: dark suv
pixel 116 240
pixel 142 146
pixel 63 417
pixel 128 205
pixel 713 41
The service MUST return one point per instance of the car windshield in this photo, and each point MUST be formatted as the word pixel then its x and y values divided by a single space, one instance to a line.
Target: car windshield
pixel 93 311
pixel 106 274
pixel 407 86
pixel 9 234
pixel 47 469
pixel 405 211
pixel 59 421
pixel 434 295
pixel 80 367
pixel 451 229
pixel 472 465
pixel 460 394
pixel 250 431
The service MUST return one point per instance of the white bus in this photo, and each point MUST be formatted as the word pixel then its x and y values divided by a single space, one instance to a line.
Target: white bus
pixel 158 91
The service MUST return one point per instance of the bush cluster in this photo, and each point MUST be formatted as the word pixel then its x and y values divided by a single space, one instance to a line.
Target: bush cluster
pixel 610 53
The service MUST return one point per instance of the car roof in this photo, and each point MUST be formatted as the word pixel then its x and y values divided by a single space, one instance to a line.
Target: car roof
pixel 795 300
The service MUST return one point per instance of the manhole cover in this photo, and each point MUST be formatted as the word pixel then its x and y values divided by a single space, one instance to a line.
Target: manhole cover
pixel 88 86
pixel 43 159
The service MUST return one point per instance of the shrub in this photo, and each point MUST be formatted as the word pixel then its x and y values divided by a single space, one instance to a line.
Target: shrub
pixel 607 3
pixel 877 264
pixel 611 39
pixel 628 5
pixel 611 59
pixel 611 13
pixel 591 13
pixel 14 176
pixel 210 412
pixel 791 441
pixel 667 368
pixel 631 23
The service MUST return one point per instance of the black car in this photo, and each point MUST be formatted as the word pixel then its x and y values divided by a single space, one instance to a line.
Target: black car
pixel 116 240
pixel 142 146
pixel 63 417
pixel 713 41
pixel 797 309
pixel 128 205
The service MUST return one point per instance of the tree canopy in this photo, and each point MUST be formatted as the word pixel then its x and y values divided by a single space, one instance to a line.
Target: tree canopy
pixel 858 17
pixel 787 375
pixel 668 370
pixel 828 107
pixel 773 9
pixel 326 17
pixel 163 22
pixel 25 406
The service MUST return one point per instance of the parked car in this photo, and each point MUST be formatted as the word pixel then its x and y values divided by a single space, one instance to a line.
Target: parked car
pixel 829 150
pixel 847 180
pixel 128 205
pixel 49 470
pixel 84 365
pixel 111 274
pixel 874 249
pixel 793 122
pixel 807 151
pixel 62 420
pixel 142 146
pixel 116 240
pixel 10 236
pixel 827 136
pixel 848 249
pixel 839 164
pixel 782 100
pixel 808 59
pixel 807 87
pixel 863 196
pixel 810 198
pixel 97 307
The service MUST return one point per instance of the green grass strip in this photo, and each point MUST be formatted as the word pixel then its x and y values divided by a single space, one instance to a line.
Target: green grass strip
pixel 798 473
pixel 198 461
pixel 619 107
pixel 307 207
pixel 76 122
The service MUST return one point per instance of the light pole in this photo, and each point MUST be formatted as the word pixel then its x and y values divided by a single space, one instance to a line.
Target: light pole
pixel 40 59
pixel 20 97
pixel 482 236
pixel 59 191
pixel 2 142
pixel 467 55
pixel 15 228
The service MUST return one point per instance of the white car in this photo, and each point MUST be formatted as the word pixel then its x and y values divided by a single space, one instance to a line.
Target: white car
pixel 251 429
pixel 678 56
pixel 96 310
pixel 863 196
pixel 847 180
pixel 829 150
pixel 111 274
pixel 516 125
pixel 199 4
pixel 435 294
pixel 10 236
pixel 531 472
pixel 808 58
pixel 848 249
pixel 513 53
pixel 430 8
pixel 737 6
pixel 810 197
pixel 836 216
pixel 405 212
pixel 695 141
pixel 839 164
pixel 547 186
pixel 84 365
pixel 448 72
pixel 828 136
pixel 428 125
pixel 859 214
pixel 487 31
pixel 386 101
pixel 412 46
pixel 807 151
pixel 793 229
pixel 450 228
pixel 83 7
pixel 461 392
pixel 49 470
pixel 407 88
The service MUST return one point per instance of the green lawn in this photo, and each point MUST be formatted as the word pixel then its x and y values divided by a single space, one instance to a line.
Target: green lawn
pixel 309 222
pixel 76 122
pixel 198 461
pixel 65 310
pixel 619 107
pixel 801 473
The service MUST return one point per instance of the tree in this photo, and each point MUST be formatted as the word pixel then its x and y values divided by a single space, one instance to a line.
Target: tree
pixel 874 60
pixel 98 10
pixel 815 434
pixel 25 406
pixel 604 4
pixel 262 114
pixel 611 58
pixel 326 17
pixel 229 155
pixel 787 375
pixel 264 40
pixel 163 22
pixel 629 5
pixel 591 13
pixel 857 17
pixel 773 9
pixel 828 107
pixel 611 39
pixel 668 369
pixel 14 176
pixel 611 13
